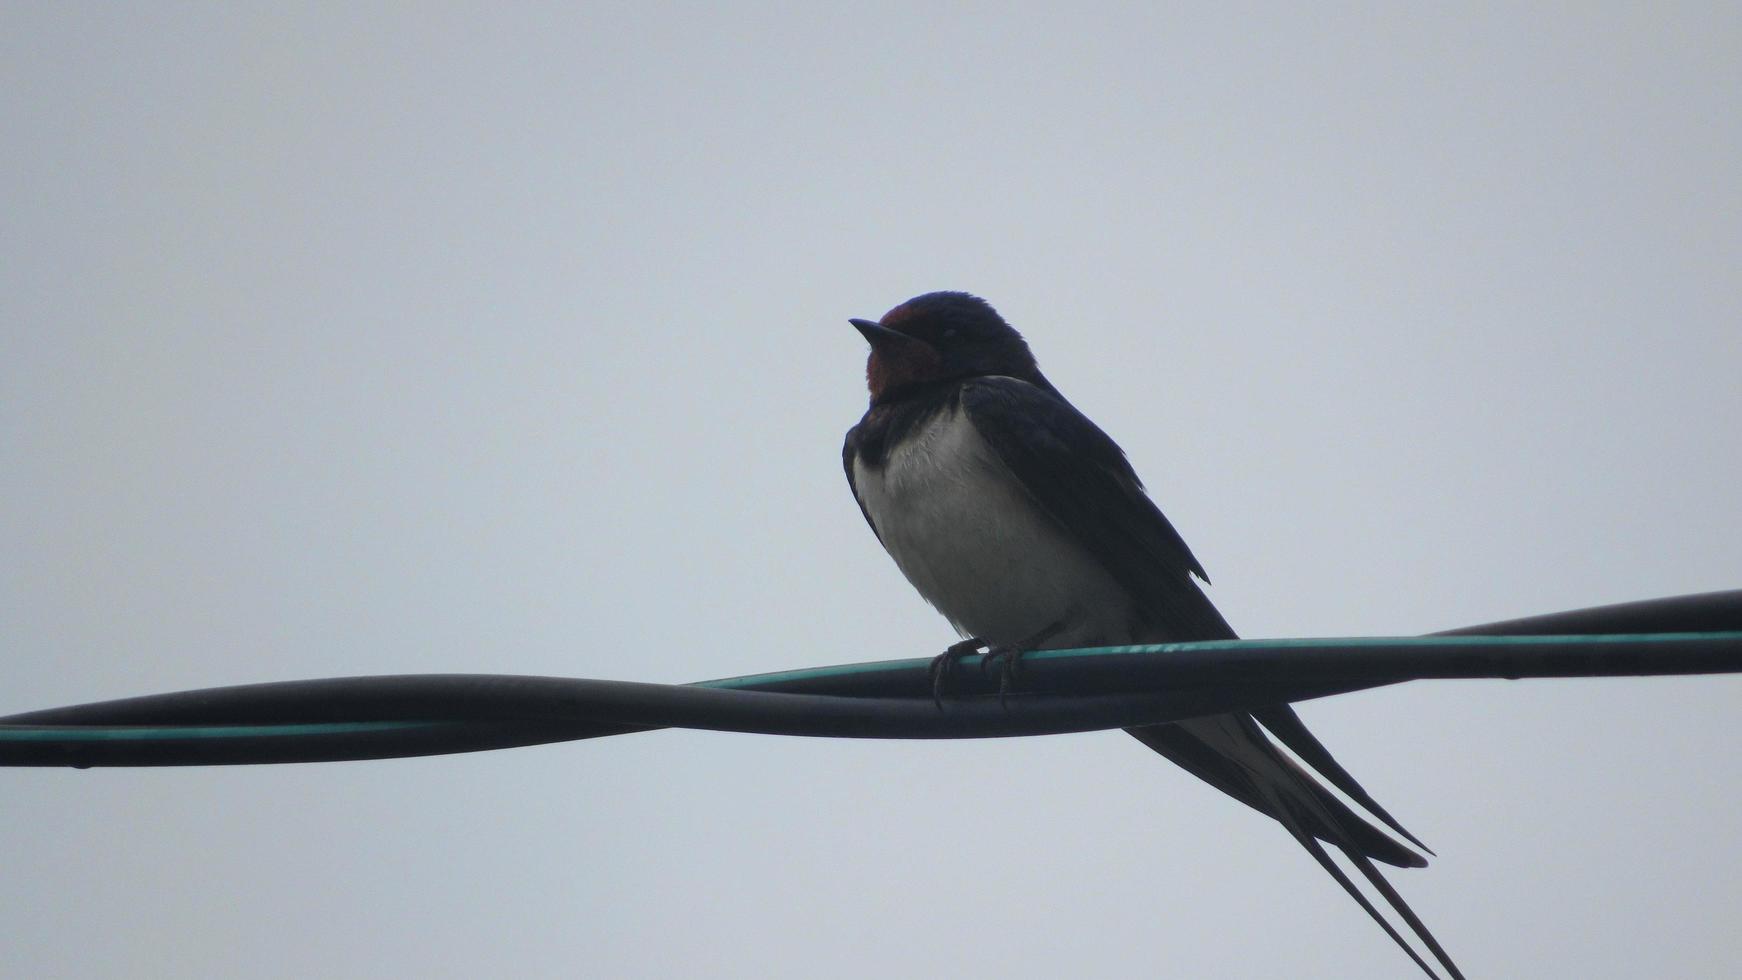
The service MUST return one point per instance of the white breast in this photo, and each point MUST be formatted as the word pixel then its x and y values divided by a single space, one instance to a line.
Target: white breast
pixel 971 541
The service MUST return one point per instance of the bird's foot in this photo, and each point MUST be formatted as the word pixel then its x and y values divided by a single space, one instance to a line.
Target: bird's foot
pixel 943 666
pixel 1009 658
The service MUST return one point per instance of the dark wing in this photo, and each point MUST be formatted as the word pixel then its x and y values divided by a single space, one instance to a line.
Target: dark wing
pixel 1080 477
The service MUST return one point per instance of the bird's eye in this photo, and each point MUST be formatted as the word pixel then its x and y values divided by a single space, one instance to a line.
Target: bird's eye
pixel 949 334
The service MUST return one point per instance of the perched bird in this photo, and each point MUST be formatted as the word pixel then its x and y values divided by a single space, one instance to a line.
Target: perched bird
pixel 1023 523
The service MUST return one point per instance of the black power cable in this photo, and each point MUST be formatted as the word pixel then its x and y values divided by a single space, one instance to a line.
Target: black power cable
pixel 1060 691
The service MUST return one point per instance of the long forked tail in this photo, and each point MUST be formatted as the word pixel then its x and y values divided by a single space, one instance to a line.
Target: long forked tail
pixel 1231 753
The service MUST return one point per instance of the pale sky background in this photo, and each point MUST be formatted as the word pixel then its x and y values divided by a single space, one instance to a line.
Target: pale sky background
pixel 423 338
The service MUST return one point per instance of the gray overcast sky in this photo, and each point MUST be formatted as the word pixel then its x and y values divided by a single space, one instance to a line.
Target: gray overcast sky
pixel 428 338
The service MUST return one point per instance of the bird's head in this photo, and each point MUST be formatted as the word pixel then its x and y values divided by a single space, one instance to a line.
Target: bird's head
pixel 942 337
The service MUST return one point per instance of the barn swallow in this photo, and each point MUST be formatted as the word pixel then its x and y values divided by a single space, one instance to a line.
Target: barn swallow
pixel 1024 525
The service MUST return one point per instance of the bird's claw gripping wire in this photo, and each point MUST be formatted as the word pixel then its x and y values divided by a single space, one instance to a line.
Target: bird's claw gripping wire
pixel 1008 660
pixel 943 666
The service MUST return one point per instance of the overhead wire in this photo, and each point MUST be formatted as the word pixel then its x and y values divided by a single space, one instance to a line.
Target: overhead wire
pixel 396 716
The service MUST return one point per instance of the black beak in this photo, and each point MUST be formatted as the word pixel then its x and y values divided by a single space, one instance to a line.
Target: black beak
pixel 876 334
